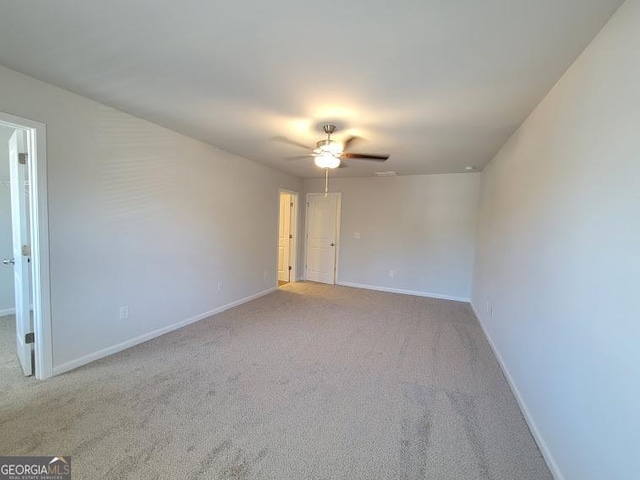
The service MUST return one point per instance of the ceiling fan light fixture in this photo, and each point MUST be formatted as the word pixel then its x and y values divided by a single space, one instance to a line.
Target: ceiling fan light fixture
pixel 327 160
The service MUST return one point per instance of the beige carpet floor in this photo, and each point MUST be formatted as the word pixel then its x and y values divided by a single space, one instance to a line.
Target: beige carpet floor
pixel 10 372
pixel 309 382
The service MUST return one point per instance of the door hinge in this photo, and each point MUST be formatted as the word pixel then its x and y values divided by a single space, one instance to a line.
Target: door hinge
pixel 291 204
pixel 290 235
pixel 30 338
pixel 22 158
pixel 26 250
pixel 289 267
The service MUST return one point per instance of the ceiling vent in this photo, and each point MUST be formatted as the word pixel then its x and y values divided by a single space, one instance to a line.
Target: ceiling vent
pixel 389 173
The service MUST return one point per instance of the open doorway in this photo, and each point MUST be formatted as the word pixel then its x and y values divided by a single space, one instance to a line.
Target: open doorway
pixel 287 238
pixel 25 324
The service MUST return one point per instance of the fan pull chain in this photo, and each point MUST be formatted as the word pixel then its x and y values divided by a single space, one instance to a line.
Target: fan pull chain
pixel 326 182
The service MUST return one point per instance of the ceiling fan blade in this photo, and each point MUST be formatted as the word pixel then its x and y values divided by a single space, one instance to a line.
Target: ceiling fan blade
pixel 291 142
pixel 298 157
pixel 347 143
pixel 365 156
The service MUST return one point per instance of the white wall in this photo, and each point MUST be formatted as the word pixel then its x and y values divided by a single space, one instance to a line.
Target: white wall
pixel 422 227
pixel 7 300
pixel 144 217
pixel 558 257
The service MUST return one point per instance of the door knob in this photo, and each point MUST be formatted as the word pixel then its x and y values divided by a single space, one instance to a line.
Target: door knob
pixel 9 261
pixel 333 244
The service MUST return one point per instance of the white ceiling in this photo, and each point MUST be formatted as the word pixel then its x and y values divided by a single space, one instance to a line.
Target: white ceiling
pixel 438 84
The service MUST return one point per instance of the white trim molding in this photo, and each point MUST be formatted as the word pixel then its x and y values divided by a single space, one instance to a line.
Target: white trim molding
pixel 7 311
pixel 440 296
pixel 537 436
pixel 105 352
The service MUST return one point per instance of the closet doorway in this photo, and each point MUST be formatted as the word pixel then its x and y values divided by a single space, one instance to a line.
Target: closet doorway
pixel 287 238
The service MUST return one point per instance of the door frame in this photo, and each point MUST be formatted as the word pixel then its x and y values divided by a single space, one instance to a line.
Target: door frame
pixel 39 219
pixel 306 231
pixel 293 228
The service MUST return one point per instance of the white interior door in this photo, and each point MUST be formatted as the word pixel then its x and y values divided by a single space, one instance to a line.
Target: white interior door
pixel 21 245
pixel 322 227
pixel 284 236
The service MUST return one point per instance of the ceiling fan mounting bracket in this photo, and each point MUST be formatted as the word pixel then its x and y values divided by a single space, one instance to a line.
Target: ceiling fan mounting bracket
pixel 328 128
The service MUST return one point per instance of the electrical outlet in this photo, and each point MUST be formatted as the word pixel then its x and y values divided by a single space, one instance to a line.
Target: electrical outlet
pixel 491 311
pixel 220 286
pixel 264 275
pixel 123 312
pixel 392 273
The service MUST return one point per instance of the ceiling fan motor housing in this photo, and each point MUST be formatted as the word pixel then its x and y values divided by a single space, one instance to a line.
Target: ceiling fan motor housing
pixel 330 146
pixel 323 143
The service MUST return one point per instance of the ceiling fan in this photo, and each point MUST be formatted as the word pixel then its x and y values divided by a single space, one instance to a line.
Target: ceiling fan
pixel 330 154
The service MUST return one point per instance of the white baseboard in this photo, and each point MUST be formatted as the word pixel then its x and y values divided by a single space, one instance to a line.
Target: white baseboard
pixel 542 445
pixel 7 311
pixel 78 362
pixel 405 292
